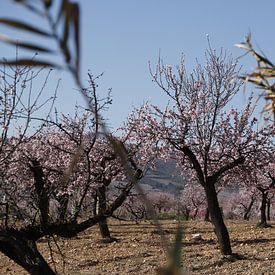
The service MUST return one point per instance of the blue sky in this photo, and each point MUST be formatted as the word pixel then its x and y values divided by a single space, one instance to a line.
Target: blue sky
pixel 120 37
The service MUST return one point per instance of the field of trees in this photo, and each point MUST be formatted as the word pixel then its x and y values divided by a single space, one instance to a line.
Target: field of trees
pixel 70 192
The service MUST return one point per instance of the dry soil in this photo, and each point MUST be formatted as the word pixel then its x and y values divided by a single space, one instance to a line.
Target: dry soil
pixel 139 250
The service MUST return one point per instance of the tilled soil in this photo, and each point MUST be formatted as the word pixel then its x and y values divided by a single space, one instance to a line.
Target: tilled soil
pixel 138 249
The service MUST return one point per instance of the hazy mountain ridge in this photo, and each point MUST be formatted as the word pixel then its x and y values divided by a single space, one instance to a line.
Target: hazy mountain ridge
pixel 164 178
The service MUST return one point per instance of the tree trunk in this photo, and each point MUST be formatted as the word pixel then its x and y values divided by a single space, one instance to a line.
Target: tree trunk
pixel 263 221
pixel 268 209
pixel 206 215
pixel 95 205
pixel 246 215
pixel 24 252
pixel 217 219
pixel 102 206
pixel 104 230
pixel 196 213
pixel 187 214
pixel 63 201
pixel 248 209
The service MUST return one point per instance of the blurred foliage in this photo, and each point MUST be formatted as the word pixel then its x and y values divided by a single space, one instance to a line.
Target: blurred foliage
pixel 174 253
pixel 67 19
pixel 263 75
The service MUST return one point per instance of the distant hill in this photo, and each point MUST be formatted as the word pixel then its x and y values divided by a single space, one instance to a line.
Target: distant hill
pixel 165 178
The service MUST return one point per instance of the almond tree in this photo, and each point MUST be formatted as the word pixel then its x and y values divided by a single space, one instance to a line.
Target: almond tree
pixel 48 199
pixel 264 182
pixel 193 200
pixel 258 177
pixel 199 131
pixel 18 104
pixel 48 176
pixel 133 208
pixel 243 204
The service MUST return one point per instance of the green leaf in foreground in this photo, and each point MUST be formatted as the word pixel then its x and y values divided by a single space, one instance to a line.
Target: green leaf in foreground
pixel 27 46
pixel 23 26
pixel 30 62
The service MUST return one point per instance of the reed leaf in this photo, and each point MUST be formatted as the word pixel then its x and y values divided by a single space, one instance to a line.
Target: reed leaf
pixel 23 26
pixel 30 62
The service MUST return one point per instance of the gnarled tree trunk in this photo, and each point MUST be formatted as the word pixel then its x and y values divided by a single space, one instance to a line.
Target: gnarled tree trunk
pixel 206 215
pixel 268 209
pixel 102 206
pixel 263 221
pixel 217 219
pixel 248 209
pixel 24 252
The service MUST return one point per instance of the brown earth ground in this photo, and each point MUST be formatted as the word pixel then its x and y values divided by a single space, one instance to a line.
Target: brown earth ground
pixel 138 250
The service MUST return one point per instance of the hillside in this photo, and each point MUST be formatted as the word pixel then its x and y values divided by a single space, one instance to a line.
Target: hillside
pixel 164 178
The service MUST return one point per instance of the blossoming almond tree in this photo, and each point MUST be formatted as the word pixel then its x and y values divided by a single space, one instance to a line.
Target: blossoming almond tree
pixel 18 104
pixel 261 178
pixel 193 200
pixel 108 172
pixel 199 130
pixel 46 200
pixel 244 203
pixel 50 177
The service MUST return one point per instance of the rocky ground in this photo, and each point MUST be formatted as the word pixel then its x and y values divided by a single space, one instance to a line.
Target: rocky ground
pixel 139 250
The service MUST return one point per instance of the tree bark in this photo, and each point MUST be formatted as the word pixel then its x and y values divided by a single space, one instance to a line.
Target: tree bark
pixel 206 215
pixel 196 213
pixel 248 209
pixel 217 219
pixel 41 192
pixel 263 221
pixel 268 209
pixel 95 205
pixel 24 252
pixel 102 206
pixel 187 214
pixel 63 200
